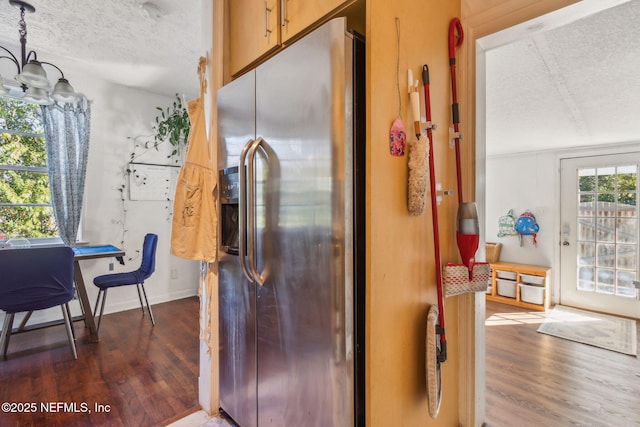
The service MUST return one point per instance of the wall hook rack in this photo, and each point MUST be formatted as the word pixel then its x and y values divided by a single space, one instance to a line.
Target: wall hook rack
pixel 453 136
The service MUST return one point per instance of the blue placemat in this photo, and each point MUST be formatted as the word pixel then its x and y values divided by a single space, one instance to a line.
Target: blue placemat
pixel 83 250
pixel 88 250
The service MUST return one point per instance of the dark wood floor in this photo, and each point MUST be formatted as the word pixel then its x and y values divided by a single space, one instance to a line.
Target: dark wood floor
pixel 535 379
pixel 148 376
pixel 142 375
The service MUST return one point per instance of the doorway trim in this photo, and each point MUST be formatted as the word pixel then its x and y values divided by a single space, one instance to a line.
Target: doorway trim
pixel 479 22
pixel 481 19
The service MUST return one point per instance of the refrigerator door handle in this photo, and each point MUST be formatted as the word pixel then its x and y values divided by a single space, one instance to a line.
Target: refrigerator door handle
pixel 257 277
pixel 242 207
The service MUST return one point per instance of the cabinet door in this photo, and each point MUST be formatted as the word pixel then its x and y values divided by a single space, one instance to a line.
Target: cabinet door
pixel 253 31
pixel 296 15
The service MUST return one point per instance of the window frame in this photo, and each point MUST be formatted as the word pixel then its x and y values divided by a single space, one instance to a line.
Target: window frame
pixel 34 241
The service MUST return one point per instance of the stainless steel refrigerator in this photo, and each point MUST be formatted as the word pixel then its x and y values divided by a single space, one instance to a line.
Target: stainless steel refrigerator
pixel 291 270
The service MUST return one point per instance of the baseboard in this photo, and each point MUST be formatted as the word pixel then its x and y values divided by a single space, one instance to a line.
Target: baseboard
pixel 53 313
pixel 156 299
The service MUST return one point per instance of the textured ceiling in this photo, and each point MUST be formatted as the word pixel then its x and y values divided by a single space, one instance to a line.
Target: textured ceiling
pixel 155 47
pixel 572 86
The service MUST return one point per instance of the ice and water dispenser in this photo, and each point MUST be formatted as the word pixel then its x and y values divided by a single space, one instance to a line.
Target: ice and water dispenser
pixel 229 215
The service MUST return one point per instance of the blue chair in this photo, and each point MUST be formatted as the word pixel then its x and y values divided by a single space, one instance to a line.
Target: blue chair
pixel 136 277
pixel 36 279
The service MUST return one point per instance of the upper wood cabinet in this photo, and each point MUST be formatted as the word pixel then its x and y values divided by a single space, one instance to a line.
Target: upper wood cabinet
pixel 297 15
pixel 254 30
pixel 257 27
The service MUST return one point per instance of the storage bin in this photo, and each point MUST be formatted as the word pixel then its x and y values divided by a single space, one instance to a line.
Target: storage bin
pixel 531 293
pixel 532 280
pixel 506 288
pixel 511 275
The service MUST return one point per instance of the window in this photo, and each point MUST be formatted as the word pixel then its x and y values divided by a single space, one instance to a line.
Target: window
pixel 608 229
pixel 25 199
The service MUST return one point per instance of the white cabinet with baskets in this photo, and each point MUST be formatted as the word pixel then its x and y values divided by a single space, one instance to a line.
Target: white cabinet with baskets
pixel 523 285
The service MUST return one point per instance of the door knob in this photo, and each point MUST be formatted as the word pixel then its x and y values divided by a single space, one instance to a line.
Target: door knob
pixel 565 243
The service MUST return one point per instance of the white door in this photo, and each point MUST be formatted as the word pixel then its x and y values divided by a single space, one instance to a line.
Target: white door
pixel 599 233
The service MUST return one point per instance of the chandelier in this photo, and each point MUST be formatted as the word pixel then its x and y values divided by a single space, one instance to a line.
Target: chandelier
pixel 31 76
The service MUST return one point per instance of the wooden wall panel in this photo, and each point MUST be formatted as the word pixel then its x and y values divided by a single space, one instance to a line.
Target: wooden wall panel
pixel 401 269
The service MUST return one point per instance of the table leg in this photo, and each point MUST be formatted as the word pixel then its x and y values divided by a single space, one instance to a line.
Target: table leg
pixel 84 301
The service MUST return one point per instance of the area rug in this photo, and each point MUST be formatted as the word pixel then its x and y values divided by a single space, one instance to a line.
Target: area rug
pixel 599 330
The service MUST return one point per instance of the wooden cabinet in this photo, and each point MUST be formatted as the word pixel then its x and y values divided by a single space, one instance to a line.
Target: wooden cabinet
pixel 523 285
pixel 253 31
pixel 296 15
pixel 257 28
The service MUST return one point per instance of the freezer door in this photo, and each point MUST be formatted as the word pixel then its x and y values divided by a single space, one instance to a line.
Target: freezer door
pixel 237 314
pixel 236 119
pixel 303 190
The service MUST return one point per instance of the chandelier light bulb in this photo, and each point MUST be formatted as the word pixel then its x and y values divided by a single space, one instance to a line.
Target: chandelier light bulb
pixel 37 96
pixel 34 75
pixel 63 91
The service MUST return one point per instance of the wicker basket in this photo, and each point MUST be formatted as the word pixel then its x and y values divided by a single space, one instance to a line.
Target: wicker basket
pixel 456 279
pixel 492 251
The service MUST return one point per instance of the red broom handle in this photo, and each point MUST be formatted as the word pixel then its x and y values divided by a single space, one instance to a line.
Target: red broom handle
pixel 434 215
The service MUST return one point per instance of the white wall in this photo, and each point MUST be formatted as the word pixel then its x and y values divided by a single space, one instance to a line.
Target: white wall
pixel 521 182
pixel 532 181
pixel 117 114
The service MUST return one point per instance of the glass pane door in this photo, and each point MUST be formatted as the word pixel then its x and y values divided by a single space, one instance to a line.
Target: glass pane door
pixel 599 255
pixel 608 228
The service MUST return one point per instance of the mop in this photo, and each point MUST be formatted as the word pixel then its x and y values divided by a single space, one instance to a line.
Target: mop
pixel 468 233
pixel 432 365
pixel 472 276
pixel 436 341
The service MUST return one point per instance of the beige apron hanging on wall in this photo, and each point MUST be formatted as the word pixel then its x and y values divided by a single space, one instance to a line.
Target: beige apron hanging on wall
pixel 195 218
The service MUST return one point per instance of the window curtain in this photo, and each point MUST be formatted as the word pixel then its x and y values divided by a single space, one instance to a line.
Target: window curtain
pixel 66 131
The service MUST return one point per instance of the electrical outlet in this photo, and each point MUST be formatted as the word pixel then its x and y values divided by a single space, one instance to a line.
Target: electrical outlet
pixel 174 273
pixel 110 266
